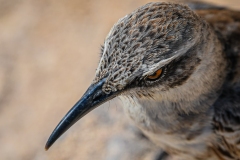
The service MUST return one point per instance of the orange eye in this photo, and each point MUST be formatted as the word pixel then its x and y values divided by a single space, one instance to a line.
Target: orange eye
pixel 155 75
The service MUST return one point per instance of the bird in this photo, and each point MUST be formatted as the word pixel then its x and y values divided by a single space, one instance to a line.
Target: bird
pixel 177 71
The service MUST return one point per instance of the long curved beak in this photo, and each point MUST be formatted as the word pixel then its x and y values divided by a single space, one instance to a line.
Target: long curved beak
pixel 92 98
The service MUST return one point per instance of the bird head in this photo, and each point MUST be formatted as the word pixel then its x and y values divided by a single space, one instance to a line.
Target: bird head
pixel 141 47
pixel 152 47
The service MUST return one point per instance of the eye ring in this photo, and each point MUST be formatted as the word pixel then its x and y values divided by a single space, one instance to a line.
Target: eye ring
pixel 155 75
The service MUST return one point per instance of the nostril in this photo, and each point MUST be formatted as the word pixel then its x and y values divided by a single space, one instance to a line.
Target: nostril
pixel 97 95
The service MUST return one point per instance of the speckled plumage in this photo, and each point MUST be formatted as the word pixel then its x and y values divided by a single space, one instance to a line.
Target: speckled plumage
pixel 193 110
pixel 150 32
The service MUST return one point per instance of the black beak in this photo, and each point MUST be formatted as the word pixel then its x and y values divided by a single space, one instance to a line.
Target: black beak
pixel 92 98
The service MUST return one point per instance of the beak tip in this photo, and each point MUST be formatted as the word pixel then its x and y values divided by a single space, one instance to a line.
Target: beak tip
pixel 47 147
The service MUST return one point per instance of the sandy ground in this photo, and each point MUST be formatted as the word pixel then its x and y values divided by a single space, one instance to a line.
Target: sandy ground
pixel 49 53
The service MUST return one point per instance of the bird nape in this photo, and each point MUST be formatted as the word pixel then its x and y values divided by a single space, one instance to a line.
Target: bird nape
pixel 182 69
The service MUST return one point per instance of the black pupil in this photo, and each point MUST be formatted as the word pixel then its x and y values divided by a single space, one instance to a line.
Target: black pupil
pixel 154 74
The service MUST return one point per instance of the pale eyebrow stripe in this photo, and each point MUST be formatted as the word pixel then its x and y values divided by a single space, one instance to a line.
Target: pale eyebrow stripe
pixel 160 64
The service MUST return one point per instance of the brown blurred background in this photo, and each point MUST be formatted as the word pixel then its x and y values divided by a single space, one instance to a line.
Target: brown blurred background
pixel 49 50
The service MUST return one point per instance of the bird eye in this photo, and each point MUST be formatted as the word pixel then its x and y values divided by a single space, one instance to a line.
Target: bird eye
pixel 155 75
